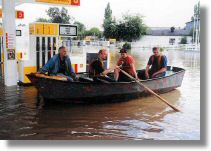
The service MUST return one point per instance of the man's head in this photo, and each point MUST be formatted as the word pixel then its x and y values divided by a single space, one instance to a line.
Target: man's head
pixel 62 51
pixel 156 51
pixel 103 54
pixel 123 53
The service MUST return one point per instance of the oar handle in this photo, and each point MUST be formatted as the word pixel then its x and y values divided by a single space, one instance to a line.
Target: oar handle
pixel 152 92
pixel 51 77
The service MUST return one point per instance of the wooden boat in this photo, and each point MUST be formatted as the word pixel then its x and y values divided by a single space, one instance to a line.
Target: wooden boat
pixel 88 91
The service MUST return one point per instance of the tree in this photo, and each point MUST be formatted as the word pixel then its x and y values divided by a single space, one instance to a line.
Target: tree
pixel 197 9
pixel 42 20
pixel 59 16
pixel 172 29
pixel 183 40
pixel 109 24
pixel 81 29
pixel 126 46
pixel 130 28
pixel 108 12
pixel 94 32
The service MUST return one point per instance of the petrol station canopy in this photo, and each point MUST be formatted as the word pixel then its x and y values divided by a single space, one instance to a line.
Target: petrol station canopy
pixel 9 15
pixel 51 2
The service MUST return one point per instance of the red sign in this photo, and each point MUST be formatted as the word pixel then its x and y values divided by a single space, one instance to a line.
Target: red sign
pixel 19 14
pixel 75 2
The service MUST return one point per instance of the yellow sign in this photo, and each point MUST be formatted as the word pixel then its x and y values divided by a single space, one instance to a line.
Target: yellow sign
pixel 44 29
pixel 63 2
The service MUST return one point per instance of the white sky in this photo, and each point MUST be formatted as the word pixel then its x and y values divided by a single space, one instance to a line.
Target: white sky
pixel 158 13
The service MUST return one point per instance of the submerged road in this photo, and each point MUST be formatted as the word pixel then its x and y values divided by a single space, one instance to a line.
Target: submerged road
pixel 24 116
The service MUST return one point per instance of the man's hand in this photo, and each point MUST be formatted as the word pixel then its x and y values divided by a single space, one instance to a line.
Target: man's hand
pixel 154 75
pixel 147 75
pixel 117 68
pixel 137 78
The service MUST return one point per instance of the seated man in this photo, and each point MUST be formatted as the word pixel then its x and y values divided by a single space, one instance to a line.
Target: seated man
pixel 97 70
pixel 60 65
pixel 158 63
pixel 126 63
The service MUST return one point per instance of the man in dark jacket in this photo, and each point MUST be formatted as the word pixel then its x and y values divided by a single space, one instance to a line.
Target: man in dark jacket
pixel 97 70
pixel 60 65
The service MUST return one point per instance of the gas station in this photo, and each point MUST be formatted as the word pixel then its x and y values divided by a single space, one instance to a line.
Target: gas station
pixel 40 40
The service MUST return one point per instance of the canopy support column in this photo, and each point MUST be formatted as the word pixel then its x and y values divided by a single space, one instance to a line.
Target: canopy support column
pixel 9 45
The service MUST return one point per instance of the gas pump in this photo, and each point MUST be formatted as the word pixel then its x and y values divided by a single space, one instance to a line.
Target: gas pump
pixel 44 41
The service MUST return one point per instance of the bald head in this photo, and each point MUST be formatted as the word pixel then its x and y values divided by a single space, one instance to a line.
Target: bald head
pixel 102 54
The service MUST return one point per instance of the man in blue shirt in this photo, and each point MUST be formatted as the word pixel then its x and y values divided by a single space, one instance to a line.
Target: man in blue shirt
pixel 158 64
pixel 60 65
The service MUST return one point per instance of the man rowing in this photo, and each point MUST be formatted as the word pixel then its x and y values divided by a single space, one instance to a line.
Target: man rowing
pixel 97 70
pixel 158 64
pixel 60 65
pixel 126 63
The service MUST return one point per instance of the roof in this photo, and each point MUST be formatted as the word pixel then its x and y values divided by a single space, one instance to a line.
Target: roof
pixel 166 31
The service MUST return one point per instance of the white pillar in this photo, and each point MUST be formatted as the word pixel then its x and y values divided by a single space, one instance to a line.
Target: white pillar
pixel 9 45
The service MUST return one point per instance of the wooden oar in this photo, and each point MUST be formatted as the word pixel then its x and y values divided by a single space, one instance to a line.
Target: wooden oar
pixel 51 77
pixel 152 92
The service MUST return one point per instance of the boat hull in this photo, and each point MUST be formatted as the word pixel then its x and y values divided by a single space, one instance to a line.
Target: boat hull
pixel 88 92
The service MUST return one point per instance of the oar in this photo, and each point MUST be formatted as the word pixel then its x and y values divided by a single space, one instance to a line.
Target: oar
pixel 51 77
pixel 152 92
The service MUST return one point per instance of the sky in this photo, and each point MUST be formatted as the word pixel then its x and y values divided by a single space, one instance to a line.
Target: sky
pixel 157 13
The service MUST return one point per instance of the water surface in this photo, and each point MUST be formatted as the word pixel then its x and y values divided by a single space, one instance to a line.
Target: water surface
pixel 24 116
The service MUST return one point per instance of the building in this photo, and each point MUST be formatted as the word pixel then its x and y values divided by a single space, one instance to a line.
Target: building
pixel 167 31
pixel 189 25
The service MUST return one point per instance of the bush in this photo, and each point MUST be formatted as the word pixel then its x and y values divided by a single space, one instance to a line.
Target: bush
pixel 183 40
pixel 127 46
pixel 161 49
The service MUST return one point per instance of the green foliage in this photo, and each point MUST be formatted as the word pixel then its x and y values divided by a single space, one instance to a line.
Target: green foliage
pixel 161 49
pixel 183 40
pixel 108 12
pixel 59 16
pixel 129 28
pixel 81 29
pixel 172 29
pixel 43 20
pixel 126 46
pixel 94 32
pixel 197 9
pixel 109 24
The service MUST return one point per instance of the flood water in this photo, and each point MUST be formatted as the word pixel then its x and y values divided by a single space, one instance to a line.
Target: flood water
pixel 24 116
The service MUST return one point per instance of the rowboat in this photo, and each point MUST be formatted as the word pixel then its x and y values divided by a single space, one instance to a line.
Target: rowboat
pixel 88 91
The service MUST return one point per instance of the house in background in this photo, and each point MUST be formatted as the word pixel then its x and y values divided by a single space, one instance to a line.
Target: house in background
pixel 190 25
pixel 165 36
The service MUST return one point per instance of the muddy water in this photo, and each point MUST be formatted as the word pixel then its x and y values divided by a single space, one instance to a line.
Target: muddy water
pixel 24 116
